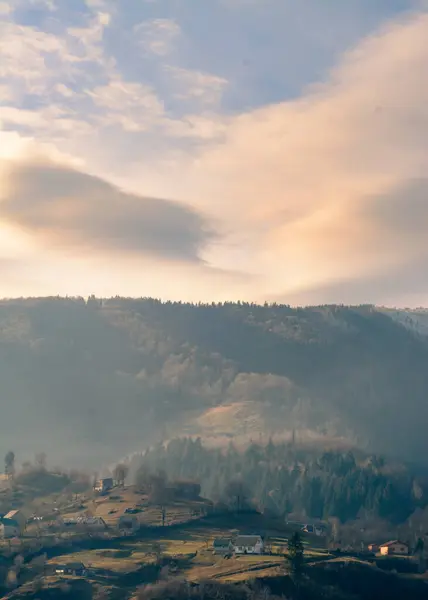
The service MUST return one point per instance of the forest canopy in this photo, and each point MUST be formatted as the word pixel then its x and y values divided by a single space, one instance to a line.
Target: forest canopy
pixel 286 479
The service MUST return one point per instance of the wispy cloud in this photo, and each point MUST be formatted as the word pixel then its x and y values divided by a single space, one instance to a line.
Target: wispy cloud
pixel 157 36
pixel 195 85
pixel 132 105
pixel 327 183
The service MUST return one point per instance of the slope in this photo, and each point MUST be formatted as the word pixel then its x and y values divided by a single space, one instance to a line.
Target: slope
pixel 89 381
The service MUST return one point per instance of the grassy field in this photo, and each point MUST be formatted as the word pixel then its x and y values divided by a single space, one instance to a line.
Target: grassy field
pixel 184 547
pixel 190 549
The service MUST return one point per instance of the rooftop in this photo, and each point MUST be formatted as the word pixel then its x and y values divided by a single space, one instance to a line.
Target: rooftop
pixel 72 565
pixel 220 542
pixel 393 543
pixel 9 522
pixel 247 540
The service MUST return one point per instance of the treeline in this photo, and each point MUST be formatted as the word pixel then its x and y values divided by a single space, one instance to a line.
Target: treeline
pixel 288 480
pixel 161 490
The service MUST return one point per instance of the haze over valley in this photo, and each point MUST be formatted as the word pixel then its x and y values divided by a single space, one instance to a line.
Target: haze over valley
pixel 88 382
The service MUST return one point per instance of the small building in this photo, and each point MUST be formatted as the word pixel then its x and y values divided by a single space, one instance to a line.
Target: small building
pixel 223 546
pixel 77 569
pixel 394 547
pixel 18 517
pixel 249 544
pixel 104 485
pixel 318 530
pixel 129 522
pixel 9 528
pixel 373 548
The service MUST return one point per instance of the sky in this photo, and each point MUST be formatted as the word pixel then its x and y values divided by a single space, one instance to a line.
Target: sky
pixel 215 150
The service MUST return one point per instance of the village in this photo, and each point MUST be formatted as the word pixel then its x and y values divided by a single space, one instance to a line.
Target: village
pixel 114 533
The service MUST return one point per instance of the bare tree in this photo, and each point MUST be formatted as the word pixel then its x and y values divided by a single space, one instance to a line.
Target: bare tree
pixel 159 492
pixel 26 466
pixel 9 464
pixel 142 477
pixel 120 473
pixel 236 494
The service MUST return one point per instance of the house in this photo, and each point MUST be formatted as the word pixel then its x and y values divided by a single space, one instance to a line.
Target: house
pixel 104 485
pixel 223 546
pixel 9 528
pixel 318 530
pixel 373 548
pixel 78 569
pixel 18 517
pixel 394 547
pixel 129 522
pixel 249 544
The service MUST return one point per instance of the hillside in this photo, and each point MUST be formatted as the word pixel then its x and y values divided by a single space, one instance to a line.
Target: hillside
pixel 285 479
pixel 88 382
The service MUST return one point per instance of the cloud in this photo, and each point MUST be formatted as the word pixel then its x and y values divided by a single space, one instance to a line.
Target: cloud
pixel 34 61
pixel 5 8
pixel 329 187
pixel 402 285
pixel 66 208
pixel 157 36
pixel 132 105
pixel 195 85
pixel 322 189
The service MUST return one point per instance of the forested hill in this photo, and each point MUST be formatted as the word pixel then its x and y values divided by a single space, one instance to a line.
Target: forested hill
pixel 286 479
pixel 89 381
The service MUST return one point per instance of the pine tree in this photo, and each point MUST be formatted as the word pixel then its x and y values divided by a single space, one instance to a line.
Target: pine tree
pixel 296 556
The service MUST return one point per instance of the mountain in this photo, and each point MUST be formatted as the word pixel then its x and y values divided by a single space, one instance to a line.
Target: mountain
pixel 88 381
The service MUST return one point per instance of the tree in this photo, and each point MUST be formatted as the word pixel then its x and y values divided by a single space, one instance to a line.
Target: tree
pixel 26 466
pixel 159 493
pixel 120 473
pixel 236 494
pixel 295 555
pixel 40 461
pixel 420 554
pixel 419 548
pixel 142 477
pixel 9 464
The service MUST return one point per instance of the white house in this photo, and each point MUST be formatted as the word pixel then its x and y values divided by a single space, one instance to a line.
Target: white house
pixel 249 544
